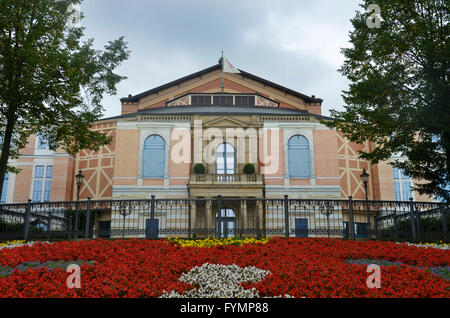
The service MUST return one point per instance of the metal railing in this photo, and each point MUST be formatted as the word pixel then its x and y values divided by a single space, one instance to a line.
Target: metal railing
pixel 225 217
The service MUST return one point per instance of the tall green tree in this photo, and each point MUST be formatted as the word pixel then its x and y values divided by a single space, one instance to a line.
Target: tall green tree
pixel 51 80
pixel 398 97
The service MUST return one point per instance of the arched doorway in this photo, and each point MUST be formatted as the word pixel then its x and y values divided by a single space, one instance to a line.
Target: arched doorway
pixel 226 223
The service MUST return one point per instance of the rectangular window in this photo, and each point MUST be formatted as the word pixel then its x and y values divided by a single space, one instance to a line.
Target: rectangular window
pixel 42 183
pixel 223 100
pixel 201 100
pixel 47 189
pixel 49 172
pixel 39 172
pixel 37 191
pixel 244 100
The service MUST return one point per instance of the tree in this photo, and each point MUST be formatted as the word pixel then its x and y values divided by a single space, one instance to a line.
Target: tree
pixel 398 97
pixel 51 82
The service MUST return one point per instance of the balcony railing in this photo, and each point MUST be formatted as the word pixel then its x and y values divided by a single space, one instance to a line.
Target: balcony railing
pixel 237 178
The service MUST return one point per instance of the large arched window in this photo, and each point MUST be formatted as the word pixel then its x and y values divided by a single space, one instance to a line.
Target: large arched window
pixel 225 159
pixel 154 156
pixel 298 157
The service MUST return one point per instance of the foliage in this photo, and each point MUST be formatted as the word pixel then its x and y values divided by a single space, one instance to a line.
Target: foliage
pixel 249 168
pixel 51 82
pixel 398 96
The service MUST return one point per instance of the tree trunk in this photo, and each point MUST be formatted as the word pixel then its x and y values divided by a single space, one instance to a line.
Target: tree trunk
pixel 6 149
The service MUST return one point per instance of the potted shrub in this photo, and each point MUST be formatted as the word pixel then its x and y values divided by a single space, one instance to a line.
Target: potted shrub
pixel 249 168
pixel 199 168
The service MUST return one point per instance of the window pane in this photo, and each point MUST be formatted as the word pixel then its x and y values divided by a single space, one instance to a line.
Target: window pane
pixel 397 191
pixel 39 172
pixel 5 189
pixel 395 172
pixel 47 190
pixel 49 172
pixel 37 191
pixel 406 190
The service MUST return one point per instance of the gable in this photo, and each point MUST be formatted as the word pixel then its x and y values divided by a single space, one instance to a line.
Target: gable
pixel 209 81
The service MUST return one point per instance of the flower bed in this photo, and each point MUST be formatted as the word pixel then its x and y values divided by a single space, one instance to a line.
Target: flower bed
pixel 296 267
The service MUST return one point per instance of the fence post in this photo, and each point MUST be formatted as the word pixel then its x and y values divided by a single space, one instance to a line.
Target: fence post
pixel 152 217
pixel 88 218
pixel 49 224
pixel 413 221
pixel 26 221
pixel 219 216
pixel 375 227
pixel 395 225
pixel 444 223
pixel 286 215
pixel 351 226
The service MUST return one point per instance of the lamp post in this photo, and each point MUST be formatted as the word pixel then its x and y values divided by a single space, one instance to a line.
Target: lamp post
pixel 79 181
pixel 327 210
pixel 125 211
pixel 365 178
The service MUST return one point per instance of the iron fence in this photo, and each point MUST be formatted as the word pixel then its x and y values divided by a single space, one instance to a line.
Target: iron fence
pixel 225 217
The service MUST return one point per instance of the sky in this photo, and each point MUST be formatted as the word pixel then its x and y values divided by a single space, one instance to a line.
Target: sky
pixel 294 43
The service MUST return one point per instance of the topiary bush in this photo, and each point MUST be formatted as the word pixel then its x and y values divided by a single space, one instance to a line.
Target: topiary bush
pixel 249 168
pixel 199 168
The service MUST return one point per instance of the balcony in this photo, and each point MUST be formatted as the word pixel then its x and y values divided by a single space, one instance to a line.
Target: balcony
pixel 234 185
pixel 220 179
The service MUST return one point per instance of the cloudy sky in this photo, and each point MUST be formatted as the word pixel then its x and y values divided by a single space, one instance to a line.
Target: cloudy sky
pixel 293 43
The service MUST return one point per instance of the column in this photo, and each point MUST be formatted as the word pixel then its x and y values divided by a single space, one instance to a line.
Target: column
pixel 208 215
pixel 193 217
pixel 243 215
pixel 259 216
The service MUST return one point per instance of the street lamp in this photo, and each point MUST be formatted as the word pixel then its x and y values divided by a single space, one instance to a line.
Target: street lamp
pixel 365 178
pixel 327 211
pixel 79 181
pixel 125 211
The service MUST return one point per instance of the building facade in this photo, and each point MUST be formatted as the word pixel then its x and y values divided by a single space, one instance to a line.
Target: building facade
pixel 163 133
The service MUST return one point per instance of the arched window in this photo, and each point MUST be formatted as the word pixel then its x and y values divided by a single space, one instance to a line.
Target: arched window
pixel 225 159
pixel 154 156
pixel 298 157
pixel 226 223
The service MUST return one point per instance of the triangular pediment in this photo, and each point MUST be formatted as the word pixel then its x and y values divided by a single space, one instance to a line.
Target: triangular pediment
pixel 225 121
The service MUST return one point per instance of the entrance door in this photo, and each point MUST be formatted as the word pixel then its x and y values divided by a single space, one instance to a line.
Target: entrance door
pixel 226 224
pixel 301 227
